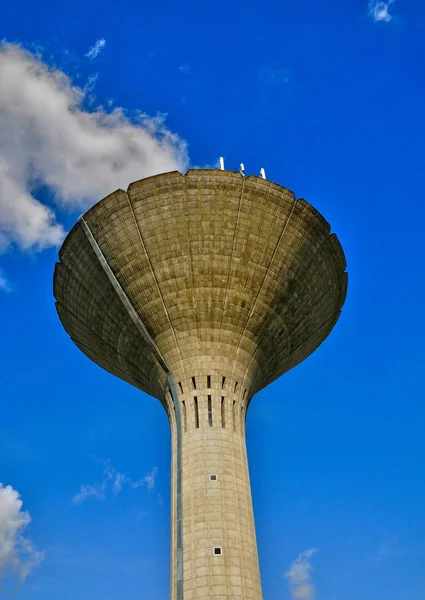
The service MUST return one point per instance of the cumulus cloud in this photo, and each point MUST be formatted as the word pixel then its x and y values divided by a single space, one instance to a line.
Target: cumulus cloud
pixel 18 555
pixel 50 141
pixel 299 576
pixel 380 10
pixel 96 49
pixel 113 481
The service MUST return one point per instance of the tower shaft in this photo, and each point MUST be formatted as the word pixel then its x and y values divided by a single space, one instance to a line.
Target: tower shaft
pixel 217 514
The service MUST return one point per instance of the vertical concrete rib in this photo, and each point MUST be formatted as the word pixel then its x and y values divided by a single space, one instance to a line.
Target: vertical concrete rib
pixel 260 289
pixel 195 304
pixel 179 498
pixel 155 279
pixel 231 257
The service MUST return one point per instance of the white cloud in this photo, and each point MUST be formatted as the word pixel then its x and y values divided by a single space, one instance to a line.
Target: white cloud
pixel 4 284
pixel 185 69
pixel 299 576
pixel 119 480
pixel 98 490
pixel 96 49
pixel 112 481
pixel 95 490
pixel 387 549
pixel 49 140
pixel 18 555
pixel 380 10
pixel 148 480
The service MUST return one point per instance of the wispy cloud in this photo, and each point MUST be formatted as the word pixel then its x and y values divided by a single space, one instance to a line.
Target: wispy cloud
pixel 118 481
pixel 185 69
pixel 387 549
pixel 79 155
pixel 18 555
pixel 4 284
pixel 149 480
pixel 299 576
pixel 274 75
pixel 113 481
pixel 96 49
pixel 92 490
pixel 379 10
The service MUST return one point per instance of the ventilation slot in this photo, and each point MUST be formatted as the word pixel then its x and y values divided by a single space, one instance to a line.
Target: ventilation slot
pixel 184 415
pixel 233 415
pixel 194 383
pixel 218 551
pixel 195 402
pixel 244 394
pixel 208 381
pixel 241 418
pixel 223 381
pixel 209 412
pixel 213 477
pixel 223 413
pixel 236 387
pixel 181 387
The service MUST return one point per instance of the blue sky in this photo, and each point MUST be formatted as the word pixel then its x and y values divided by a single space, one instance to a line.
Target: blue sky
pixel 328 97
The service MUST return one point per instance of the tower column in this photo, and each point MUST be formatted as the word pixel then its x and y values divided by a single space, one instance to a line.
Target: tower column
pixel 220 559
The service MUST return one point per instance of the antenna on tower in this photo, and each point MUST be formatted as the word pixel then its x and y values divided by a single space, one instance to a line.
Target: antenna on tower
pixel 242 169
pixel 262 173
pixel 221 163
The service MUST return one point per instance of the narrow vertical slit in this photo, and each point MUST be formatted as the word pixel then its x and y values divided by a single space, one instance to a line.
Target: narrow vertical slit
pixel 241 423
pixel 209 412
pixel 181 387
pixel 194 383
pixel 223 414
pixel 244 394
pixel 208 381
pixel 223 381
pixel 236 387
pixel 184 415
pixel 233 415
pixel 195 401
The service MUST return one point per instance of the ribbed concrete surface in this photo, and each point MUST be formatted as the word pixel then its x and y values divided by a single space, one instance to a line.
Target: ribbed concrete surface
pixel 236 282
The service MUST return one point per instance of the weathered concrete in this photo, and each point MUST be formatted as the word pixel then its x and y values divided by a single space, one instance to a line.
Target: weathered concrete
pixel 236 282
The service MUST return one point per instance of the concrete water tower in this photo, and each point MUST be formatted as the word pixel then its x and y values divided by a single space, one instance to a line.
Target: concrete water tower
pixel 200 290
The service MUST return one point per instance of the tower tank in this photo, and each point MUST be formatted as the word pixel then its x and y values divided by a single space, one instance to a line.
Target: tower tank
pixel 200 290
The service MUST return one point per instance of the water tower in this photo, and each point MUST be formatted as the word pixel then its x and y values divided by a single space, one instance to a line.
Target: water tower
pixel 200 290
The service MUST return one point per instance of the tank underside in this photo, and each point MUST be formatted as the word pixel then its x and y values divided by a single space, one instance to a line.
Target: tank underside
pixel 215 265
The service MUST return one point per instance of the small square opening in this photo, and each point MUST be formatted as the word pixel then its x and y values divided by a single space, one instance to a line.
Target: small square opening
pixel 213 477
pixel 218 551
